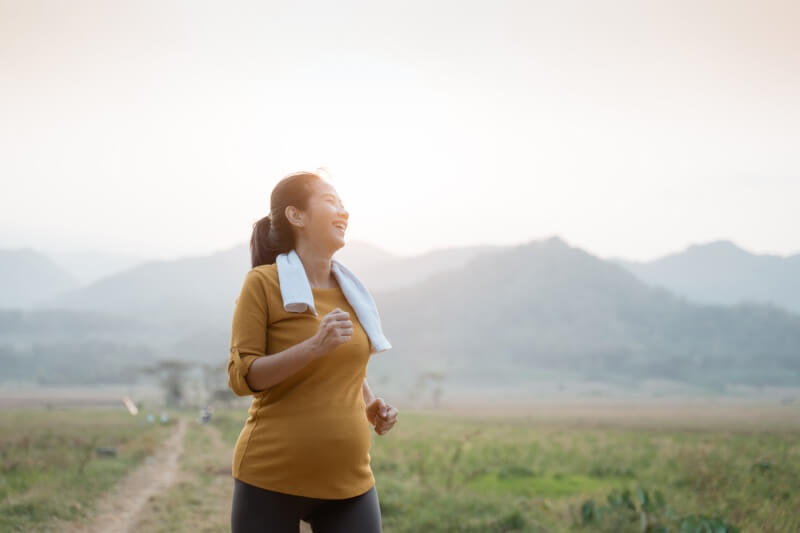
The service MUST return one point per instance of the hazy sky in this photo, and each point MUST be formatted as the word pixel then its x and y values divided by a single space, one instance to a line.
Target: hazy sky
pixel 630 129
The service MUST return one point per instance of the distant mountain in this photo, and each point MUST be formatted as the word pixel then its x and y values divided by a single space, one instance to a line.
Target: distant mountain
pixel 494 318
pixel 510 316
pixel 399 272
pixel 186 292
pixel 360 256
pixel 88 266
pixel 721 272
pixel 201 290
pixel 185 306
pixel 28 277
pixel 52 347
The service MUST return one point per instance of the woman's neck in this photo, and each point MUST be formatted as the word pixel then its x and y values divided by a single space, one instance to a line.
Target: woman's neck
pixel 317 266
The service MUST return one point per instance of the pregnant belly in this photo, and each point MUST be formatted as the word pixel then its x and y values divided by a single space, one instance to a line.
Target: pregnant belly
pixel 330 443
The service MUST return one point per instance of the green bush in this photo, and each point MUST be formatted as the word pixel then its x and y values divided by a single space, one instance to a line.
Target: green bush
pixel 624 512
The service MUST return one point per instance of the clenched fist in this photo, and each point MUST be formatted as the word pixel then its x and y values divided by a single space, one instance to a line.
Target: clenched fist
pixel 335 329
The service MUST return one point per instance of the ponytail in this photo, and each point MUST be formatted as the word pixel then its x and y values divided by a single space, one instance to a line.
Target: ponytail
pixel 261 252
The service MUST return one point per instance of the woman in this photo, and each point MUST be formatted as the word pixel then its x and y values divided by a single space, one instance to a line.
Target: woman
pixel 303 453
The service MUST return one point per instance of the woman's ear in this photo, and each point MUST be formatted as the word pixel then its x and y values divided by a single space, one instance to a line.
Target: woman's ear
pixel 294 216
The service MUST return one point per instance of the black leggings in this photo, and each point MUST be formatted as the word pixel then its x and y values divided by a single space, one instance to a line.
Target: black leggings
pixel 257 510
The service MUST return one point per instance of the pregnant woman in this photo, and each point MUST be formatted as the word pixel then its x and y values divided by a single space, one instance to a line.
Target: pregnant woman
pixel 304 328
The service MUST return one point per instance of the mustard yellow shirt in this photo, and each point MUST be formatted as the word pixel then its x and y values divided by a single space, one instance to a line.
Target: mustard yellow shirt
pixel 307 435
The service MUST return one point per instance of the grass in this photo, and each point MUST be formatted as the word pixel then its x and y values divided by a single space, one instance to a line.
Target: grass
pixel 48 465
pixel 489 475
pixel 441 471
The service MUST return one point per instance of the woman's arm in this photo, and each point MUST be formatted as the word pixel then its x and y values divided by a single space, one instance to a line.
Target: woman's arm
pixel 368 395
pixel 270 370
pixel 379 413
pixel 250 368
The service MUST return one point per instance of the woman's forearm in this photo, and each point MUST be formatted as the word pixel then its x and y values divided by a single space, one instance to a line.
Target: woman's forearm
pixel 368 395
pixel 272 369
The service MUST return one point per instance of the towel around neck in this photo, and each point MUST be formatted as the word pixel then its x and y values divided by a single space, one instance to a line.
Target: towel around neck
pixel 297 295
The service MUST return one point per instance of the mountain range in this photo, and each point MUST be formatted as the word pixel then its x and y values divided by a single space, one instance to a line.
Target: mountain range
pixel 482 315
pixel 722 273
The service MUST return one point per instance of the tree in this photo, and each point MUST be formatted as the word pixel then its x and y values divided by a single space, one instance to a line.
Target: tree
pixel 171 374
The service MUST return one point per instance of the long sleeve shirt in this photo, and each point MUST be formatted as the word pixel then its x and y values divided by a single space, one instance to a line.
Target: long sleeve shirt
pixel 307 435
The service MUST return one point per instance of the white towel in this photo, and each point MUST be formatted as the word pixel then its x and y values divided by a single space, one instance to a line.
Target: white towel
pixel 297 295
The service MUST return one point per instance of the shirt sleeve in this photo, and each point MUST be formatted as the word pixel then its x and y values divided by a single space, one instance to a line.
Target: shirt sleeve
pixel 248 332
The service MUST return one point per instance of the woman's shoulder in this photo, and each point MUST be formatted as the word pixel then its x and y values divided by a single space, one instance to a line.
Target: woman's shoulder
pixel 265 276
pixel 270 269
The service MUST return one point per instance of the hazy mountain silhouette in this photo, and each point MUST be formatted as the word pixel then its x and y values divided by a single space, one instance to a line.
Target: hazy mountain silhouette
pixel 28 277
pixel 399 272
pixel 188 291
pixel 88 266
pixel 360 256
pixel 723 273
pixel 501 316
pixel 547 306
pixel 202 289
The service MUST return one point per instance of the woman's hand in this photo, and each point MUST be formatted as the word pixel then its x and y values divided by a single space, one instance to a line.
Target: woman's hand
pixel 382 415
pixel 335 329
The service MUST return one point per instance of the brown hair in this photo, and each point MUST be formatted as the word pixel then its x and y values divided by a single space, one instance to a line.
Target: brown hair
pixel 272 234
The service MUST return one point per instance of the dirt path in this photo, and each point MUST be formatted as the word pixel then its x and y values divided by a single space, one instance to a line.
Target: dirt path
pixel 117 512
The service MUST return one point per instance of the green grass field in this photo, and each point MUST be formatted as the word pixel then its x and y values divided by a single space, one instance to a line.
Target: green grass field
pixel 495 474
pixel 48 465
pixel 549 469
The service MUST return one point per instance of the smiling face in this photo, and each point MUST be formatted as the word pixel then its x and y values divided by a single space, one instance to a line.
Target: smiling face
pixel 325 220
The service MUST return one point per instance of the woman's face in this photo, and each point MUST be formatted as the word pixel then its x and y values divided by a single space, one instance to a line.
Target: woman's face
pixel 326 218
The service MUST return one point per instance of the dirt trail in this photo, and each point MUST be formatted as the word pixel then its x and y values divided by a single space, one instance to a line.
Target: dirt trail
pixel 117 512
